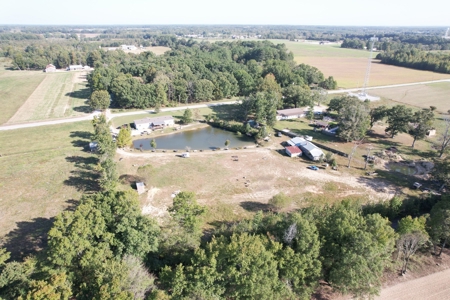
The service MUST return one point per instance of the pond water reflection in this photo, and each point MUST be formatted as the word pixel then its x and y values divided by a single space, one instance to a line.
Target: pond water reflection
pixel 199 139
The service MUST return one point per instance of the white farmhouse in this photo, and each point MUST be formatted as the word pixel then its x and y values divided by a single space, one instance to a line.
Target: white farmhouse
pixel 292 113
pixel 128 47
pixel 154 123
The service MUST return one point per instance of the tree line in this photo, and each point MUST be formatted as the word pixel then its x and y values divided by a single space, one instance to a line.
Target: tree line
pixel 416 59
pixel 194 72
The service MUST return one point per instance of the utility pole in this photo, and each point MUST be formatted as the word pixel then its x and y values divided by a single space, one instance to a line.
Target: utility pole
pixel 367 157
pixel 353 151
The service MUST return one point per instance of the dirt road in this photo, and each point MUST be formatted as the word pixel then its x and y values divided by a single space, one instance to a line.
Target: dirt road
pixel 434 286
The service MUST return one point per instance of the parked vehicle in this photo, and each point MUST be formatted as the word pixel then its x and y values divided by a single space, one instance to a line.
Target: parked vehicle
pixel 314 168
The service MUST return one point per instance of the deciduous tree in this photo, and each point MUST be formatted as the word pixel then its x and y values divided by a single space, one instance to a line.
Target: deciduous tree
pixel 398 118
pixel 99 99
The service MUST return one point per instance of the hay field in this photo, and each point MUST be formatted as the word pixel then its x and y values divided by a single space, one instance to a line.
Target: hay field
pixel 54 98
pixel 422 96
pixel 44 171
pixel 348 66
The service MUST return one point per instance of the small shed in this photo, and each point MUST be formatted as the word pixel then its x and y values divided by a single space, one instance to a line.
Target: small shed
pixel 431 132
pixel 93 146
pixel 50 68
pixel 293 151
pixel 140 186
pixel 322 124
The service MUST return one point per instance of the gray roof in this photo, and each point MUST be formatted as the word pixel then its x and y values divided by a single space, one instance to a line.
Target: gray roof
pixel 296 141
pixel 290 112
pixel 139 184
pixel 306 146
pixel 155 120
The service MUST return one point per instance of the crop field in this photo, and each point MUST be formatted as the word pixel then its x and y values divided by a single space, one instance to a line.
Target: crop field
pixel 348 66
pixel 45 170
pixel 59 94
pixel 422 96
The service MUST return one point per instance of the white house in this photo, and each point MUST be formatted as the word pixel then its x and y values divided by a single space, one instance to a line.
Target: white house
pixel 154 123
pixel 293 151
pixel 128 47
pixel 50 68
pixel 75 67
pixel 309 149
pixel 292 113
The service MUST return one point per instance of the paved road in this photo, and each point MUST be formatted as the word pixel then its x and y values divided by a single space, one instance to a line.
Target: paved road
pixel 387 86
pixel 109 115
pixel 432 287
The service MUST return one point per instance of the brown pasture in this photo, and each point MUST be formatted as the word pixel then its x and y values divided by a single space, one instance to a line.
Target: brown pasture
pixel 350 71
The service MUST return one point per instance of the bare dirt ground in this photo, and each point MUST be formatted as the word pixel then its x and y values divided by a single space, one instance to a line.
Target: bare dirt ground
pixel 432 287
pixel 246 184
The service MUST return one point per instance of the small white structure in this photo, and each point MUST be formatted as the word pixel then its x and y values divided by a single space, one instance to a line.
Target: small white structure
pixel 292 113
pixel 93 146
pixel 75 67
pixel 50 68
pixel 185 155
pixel 154 123
pixel 128 47
pixel 431 132
pixel 140 187
pixel 293 151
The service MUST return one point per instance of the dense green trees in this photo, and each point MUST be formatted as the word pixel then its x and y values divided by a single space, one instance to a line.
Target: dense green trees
pixel 99 99
pixel 124 137
pixel 421 123
pixel 398 118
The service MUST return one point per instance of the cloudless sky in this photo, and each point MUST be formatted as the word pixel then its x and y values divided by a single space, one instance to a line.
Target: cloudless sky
pixel 283 12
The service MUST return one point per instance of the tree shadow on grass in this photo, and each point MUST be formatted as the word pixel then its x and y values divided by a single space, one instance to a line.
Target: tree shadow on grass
pixel 227 112
pixel 254 206
pixel 85 177
pixel 28 238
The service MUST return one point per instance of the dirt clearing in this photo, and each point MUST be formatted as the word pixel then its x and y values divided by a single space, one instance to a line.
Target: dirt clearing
pixel 235 183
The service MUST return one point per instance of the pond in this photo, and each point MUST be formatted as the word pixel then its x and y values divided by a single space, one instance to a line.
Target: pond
pixel 199 139
pixel 402 168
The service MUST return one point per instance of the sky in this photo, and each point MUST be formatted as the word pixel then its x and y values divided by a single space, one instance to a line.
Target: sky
pixel 262 12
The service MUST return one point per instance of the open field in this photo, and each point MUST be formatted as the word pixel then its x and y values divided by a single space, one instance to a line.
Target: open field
pixel 348 66
pixel 421 96
pixel 44 171
pixel 15 88
pixel 59 94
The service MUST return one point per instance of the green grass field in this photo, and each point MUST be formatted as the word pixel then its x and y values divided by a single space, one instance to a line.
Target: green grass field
pixel 34 95
pixel 45 170
pixel 421 96
pixel 15 88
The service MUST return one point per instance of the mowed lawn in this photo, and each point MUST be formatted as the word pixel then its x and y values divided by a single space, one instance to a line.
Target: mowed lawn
pixel 15 88
pixel 52 99
pixel 422 96
pixel 44 170
pixel 348 66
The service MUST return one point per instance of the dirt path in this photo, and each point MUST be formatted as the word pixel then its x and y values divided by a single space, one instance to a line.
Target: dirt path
pixel 434 286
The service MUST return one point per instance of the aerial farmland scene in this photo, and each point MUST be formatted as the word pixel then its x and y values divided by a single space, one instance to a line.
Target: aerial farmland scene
pixel 238 150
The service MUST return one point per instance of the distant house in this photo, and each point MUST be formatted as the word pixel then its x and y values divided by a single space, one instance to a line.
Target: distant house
pixel 293 151
pixel 431 132
pixel 75 67
pixel 292 113
pixel 309 149
pixel 154 123
pixel 128 47
pixel 50 68
pixel 140 187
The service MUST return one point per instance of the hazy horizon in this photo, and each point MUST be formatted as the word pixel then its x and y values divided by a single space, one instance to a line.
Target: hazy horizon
pixel 384 13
